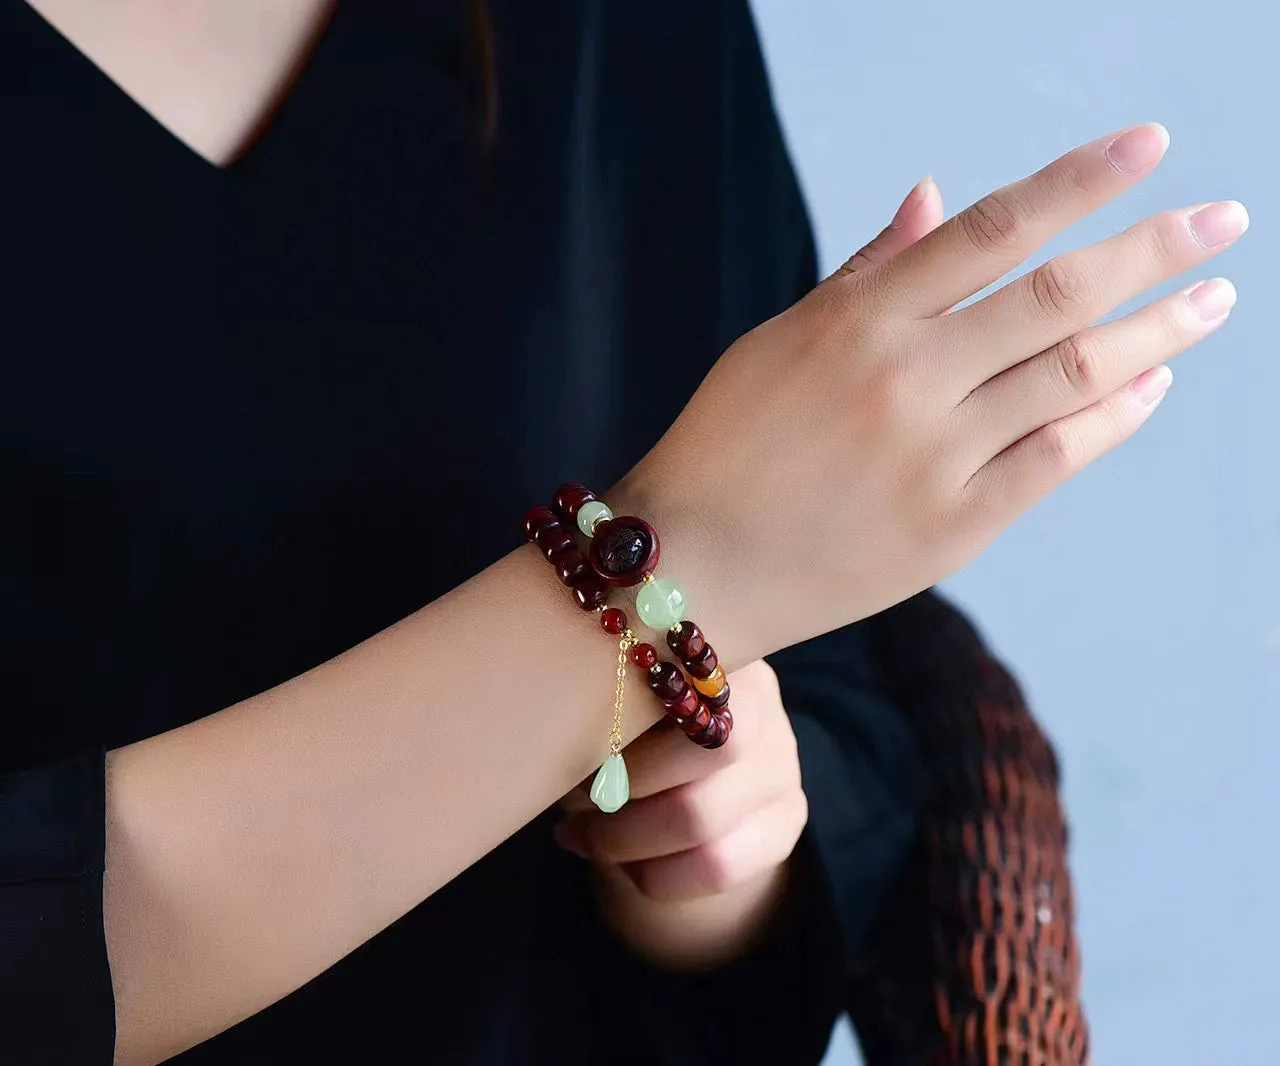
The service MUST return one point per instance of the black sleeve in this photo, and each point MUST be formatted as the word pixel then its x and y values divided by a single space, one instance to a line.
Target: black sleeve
pixel 780 1003
pixel 56 1002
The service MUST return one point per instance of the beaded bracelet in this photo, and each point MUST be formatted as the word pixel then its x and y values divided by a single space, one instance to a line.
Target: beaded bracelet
pixel 624 552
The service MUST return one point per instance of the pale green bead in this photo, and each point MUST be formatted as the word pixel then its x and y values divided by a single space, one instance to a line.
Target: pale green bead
pixel 661 603
pixel 612 787
pixel 591 513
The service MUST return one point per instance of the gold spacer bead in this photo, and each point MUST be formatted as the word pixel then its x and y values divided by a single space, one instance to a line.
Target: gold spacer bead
pixel 648 578
pixel 655 668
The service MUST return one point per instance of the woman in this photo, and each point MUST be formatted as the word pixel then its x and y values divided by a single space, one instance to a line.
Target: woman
pixel 314 300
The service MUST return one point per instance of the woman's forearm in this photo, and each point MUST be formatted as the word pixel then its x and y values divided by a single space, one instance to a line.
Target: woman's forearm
pixel 250 850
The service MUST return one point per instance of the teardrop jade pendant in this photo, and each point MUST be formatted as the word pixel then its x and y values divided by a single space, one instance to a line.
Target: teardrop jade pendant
pixel 611 788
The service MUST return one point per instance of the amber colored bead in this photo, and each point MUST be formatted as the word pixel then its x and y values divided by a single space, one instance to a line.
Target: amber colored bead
pixel 697 721
pixel 716 702
pixel 704 665
pixel 712 684
pixel 570 565
pixel 667 682
pixel 684 707
pixel 571 496
pixel 613 620
pixel 686 640
pixel 537 517
pixel 644 655
pixel 589 592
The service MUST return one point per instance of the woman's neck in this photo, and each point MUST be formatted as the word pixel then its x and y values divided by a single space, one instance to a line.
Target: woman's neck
pixel 212 72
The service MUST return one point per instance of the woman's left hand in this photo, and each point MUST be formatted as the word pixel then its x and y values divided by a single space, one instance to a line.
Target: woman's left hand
pixel 694 865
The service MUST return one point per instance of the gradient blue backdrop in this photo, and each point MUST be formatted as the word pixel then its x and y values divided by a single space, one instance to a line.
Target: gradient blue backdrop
pixel 1141 604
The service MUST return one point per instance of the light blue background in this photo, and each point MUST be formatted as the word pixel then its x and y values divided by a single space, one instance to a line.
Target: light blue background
pixel 1141 604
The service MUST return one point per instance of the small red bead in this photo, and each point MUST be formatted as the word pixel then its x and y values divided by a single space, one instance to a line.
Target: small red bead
pixel 535 518
pixel 569 564
pixel 589 592
pixel 717 702
pixel 613 620
pixel 644 655
pixel 570 497
pixel 704 665
pixel 667 682
pixel 688 642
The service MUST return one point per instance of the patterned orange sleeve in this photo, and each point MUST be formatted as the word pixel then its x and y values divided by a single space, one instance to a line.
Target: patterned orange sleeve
pixel 973 960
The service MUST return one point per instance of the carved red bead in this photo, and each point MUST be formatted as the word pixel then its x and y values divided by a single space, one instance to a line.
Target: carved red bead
pixel 623 550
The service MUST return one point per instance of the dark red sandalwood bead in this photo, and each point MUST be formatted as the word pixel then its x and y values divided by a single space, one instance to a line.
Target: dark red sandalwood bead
pixel 613 621
pixel 547 530
pixel 570 565
pixel 717 702
pixel 571 496
pixel 716 733
pixel 696 722
pixel 644 656
pixel 684 707
pixel 554 542
pixel 704 665
pixel 537 517
pixel 687 641
pixel 589 592
pixel 623 550
pixel 667 682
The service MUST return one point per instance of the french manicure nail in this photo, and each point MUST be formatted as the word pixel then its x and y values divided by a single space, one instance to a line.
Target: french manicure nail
pixel 1220 223
pixel 1152 385
pixel 913 197
pixel 1212 299
pixel 1139 148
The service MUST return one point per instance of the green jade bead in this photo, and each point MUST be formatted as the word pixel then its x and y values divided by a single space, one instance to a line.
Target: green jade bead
pixel 589 514
pixel 612 787
pixel 661 603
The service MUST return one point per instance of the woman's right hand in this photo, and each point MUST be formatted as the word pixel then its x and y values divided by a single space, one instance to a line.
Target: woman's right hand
pixel 865 444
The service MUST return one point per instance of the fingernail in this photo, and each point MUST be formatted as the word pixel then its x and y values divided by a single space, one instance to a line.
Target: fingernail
pixel 1137 149
pixel 1213 298
pixel 913 197
pixel 1220 223
pixel 569 835
pixel 1152 385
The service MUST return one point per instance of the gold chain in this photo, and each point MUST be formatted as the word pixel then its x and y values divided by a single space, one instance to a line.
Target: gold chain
pixel 615 735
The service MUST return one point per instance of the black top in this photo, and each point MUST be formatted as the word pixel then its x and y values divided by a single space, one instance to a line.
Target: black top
pixel 251 416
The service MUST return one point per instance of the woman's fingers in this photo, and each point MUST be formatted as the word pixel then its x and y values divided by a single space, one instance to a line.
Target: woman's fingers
pixel 671 821
pixel 1066 294
pixel 920 213
pixel 984 242
pixel 1089 365
pixel 1027 471
pixel 755 845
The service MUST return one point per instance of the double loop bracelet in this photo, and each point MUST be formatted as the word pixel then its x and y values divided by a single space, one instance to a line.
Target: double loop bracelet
pixel 624 553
